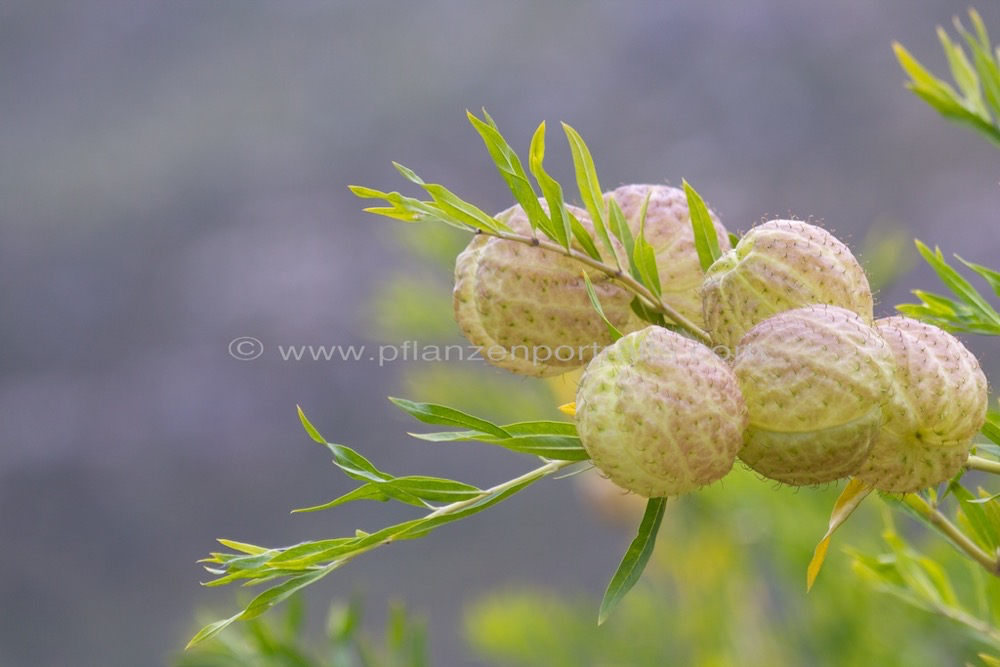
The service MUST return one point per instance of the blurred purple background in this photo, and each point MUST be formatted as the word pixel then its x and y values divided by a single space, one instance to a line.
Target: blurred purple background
pixel 173 175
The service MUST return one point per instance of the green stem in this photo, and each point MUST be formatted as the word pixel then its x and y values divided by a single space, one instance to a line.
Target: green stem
pixel 531 476
pixel 952 532
pixel 458 506
pixel 615 274
pixel 985 465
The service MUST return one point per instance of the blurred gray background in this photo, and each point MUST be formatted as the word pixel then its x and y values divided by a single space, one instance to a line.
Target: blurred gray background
pixel 173 174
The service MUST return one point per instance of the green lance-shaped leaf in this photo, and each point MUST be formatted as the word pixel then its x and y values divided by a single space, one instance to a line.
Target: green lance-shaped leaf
pixel 647 315
pixel 942 306
pixel 355 465
pixel 441 415
pixel 310 429
pixel 849 500
pixel 635 559
pixel 553 440
pixel 968 110
pixel 991 429
pixel 436 489
pixel 948 314
pixel 261 604
pixel 309 554
pixel 956 283
pixel 542 427
pixel 982 56
pixel 975 514
pixel 964 75
pixel 955 112
pixel 979 27
pixel 619 227
pixel 512 172
pixel 250 549
pixel 596 303
pixel 553 447
pixel 706 241
pixel 989 275
pixel 407 209
pixel 552 191
pixel 453 205
pixel 582 236
pixel 554 196
pixel 589 186
pixel 644 255
pixel 920 77
pixel 413 490
pixel 369 491
pixel 242 560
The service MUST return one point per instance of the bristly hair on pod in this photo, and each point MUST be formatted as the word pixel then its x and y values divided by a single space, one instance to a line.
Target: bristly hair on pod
pixel 778 266
pixel 814 380
pixel 527 308
pixel 660 414
pixel 938 404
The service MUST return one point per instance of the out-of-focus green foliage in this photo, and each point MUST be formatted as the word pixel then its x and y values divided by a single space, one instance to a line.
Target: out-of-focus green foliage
pixel 725 588
pixel 960 585
pixel 976 102
pixel 967 597
pixel 415 300
pixel 281 641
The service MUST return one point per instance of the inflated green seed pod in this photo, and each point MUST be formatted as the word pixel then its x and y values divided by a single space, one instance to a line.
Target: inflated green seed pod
pixel 527 308
pixel 668 229
pixel 778 266
pixel 938 405
pixel 660 414
pixel 815 380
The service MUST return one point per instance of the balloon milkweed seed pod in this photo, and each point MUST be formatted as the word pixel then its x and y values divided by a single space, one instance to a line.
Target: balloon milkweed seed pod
pixel 814 380
pixel 778 266
pixel 660 414
pixel 527 308
pixel 938 405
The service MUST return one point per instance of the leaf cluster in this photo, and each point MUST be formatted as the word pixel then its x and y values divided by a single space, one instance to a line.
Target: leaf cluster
pixel 974 100
pixel 969 596
pixel 967 310
pixel 611 247
pixel 290 569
